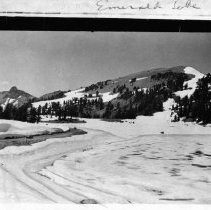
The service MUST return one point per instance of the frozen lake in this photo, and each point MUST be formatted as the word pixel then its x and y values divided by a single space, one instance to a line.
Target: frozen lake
pixel 145 169
pixel 112 163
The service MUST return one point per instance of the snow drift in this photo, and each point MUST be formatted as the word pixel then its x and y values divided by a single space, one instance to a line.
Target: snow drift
pixel 191 84
pixel 22 128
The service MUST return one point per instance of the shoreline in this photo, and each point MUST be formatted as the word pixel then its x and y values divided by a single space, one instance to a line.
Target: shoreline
pixel 27 140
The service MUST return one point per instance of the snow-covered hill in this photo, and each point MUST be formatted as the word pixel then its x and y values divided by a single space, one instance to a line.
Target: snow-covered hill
pixel 113 91
pixel 108 90
pixel 71 95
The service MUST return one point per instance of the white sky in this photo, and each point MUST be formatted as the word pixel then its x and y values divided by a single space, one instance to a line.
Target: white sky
pixel 41 62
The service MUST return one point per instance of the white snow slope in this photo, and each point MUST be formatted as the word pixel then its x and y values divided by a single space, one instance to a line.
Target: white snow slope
pixel 191 83
pixel 9 100
pixel 77 94
pixel 137 79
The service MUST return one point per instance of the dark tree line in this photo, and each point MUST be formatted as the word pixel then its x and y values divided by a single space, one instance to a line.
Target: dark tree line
pixel 145 102
pixel 173 80
pixel 99 85
pixel 55 95
pixel 128 105
pixel 26 112
pixel 82 107
pixel 198 106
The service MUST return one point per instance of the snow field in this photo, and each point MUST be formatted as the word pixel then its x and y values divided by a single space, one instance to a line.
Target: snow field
pixel 12 127
pixel 146 169
pixel 192 84
pixel 77 94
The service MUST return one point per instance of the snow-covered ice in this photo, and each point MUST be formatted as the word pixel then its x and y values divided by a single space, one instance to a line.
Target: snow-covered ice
pixel 129 162
pixel 16 127
pixel 145 169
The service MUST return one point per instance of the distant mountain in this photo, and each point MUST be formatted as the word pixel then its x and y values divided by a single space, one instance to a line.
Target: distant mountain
pixel 14 96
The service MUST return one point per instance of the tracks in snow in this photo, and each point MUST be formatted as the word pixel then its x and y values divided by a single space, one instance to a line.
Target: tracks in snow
pixel 24 168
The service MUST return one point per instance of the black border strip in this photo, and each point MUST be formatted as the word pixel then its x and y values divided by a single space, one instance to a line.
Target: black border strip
pixel 102 24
